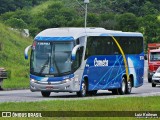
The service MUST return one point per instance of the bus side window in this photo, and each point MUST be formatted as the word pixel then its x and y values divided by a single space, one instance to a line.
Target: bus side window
pixel 77 62
pixel 91 47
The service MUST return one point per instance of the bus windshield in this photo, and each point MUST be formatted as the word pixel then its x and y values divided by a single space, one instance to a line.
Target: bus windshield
pixel 51 58
pixel 155 56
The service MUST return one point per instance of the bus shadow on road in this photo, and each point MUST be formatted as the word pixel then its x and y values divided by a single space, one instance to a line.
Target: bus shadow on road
pixel 109 94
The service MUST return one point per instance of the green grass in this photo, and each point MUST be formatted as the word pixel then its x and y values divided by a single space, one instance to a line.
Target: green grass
pixel 113 104
pixel 12 49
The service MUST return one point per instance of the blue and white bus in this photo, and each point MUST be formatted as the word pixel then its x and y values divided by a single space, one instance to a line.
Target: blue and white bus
pixel 85 60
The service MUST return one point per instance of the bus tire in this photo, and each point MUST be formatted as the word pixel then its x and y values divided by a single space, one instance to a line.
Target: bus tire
pixel 129 86
pixel 115 92
pixel 45 94
pixel 123 88
pixel 83 91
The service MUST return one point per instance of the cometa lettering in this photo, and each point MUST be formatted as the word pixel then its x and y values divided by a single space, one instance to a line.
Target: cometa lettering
pixel 100 62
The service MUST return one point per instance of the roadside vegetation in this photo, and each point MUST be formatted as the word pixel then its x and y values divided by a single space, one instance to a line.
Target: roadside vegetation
pixel 12 45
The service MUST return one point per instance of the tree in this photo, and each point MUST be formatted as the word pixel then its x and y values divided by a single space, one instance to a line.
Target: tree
pixel 108 21
pixel 24 15
pixel 7 5
pixel 53 10
pixel 93 20
pixel 120 6
pixel 41 23
pixel 147 9
pixel 12 5
pixel 34 31
pixel 60 16
pixel 16 23
pixel 151 28
pixel 127 22
pixel 6 16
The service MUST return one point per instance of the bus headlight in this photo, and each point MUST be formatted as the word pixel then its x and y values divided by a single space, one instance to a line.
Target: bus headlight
pixel 67 80
pixel 33 80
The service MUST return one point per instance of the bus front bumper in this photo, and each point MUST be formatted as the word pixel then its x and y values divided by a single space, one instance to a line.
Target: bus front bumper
pixel 68 85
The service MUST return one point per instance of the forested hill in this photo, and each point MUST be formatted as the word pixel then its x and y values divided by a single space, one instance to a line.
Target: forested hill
pixel 125 15
pixel 12 5
pixel 138 7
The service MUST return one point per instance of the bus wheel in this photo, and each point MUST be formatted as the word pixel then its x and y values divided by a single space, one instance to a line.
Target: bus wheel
pixel 83 91
pixel 45 94
pixel 129 86
pixel 122 90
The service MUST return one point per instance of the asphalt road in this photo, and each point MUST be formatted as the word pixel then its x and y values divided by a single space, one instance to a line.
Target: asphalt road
pixel 27 95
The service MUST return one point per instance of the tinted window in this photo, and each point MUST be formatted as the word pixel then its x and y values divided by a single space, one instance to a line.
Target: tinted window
pixel 102 45
pixel 131 45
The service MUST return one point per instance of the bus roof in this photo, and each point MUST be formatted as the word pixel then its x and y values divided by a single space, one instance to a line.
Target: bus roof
pixel 67 34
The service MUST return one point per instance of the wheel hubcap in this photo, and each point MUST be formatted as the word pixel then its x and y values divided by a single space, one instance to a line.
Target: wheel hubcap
pixel 129 86
pixel 83 88
pixel 123 86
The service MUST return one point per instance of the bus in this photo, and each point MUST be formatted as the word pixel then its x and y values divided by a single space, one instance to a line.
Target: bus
pixel 85 60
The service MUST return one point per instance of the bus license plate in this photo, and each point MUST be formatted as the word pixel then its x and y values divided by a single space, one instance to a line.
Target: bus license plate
pixel 49 87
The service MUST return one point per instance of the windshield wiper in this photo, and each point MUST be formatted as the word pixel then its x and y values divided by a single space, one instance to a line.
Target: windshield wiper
pixel 56 66
pixel 44 66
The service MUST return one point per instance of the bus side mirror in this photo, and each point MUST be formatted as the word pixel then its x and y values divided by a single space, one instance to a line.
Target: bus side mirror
pixel 73 54
pixel 26 52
